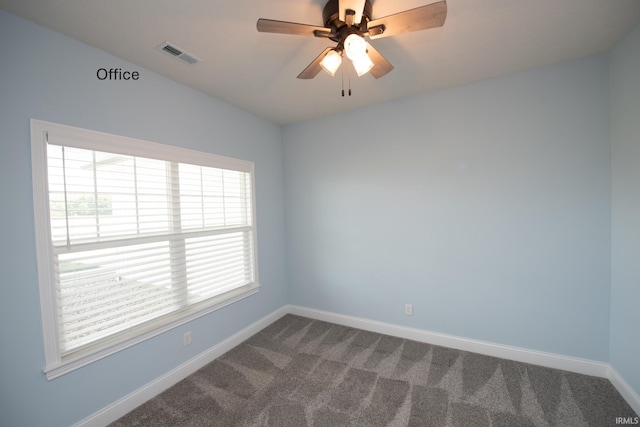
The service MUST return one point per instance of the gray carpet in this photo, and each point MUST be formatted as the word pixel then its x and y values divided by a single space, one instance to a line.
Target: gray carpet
pixel 303 372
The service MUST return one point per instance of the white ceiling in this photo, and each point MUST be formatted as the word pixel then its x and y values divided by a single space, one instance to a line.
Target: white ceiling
pixel 257 71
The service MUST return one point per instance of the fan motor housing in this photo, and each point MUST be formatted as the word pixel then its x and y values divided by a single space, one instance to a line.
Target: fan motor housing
pixel 331 14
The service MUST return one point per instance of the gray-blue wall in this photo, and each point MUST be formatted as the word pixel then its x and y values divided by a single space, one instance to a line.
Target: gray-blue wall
pixel 47 76
pixel 625 254
pixel 486 206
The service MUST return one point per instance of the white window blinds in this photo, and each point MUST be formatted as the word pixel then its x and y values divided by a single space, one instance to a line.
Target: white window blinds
pixel 138 241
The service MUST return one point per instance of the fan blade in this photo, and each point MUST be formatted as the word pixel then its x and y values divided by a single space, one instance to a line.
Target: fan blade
pixel 356 5
pixel 380 65
pixel 314 68
pixel 282 27
pixel 420 18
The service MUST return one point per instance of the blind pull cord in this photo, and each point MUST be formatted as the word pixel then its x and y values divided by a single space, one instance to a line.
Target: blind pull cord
pixel 66 200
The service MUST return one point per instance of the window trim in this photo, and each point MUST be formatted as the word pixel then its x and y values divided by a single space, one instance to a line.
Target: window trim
pixel 55 364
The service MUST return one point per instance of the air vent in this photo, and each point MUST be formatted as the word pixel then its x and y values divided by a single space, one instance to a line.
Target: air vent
pixel 178 53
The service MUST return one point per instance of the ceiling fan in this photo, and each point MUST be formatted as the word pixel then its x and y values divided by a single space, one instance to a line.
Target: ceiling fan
pixel 348 22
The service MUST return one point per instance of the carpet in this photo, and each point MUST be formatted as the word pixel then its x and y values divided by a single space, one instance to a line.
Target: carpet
pixel 303 372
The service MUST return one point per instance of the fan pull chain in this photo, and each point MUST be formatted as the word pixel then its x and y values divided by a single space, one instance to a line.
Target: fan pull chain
pixel 342 78
pixel 349 76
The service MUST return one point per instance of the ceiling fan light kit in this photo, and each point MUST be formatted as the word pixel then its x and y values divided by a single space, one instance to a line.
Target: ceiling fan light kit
pixel 348 22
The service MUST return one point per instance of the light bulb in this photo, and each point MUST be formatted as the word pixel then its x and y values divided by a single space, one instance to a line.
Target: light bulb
pixel 331 62
pixel 355 47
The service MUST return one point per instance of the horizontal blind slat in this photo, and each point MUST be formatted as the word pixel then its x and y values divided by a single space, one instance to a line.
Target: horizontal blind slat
pixel 138 298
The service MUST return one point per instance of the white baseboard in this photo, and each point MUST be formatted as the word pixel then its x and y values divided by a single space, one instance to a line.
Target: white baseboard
pixel 131 401
pixel 551 360
pixel 632 398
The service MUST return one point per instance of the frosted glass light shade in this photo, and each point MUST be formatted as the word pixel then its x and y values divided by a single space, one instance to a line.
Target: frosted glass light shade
pixel 331 62
pixel 362 64
pixel 355 47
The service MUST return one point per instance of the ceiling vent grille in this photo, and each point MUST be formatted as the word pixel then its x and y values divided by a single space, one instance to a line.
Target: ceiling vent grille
pixel 178 53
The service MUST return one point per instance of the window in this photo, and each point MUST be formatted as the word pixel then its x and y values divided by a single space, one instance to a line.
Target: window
pixel 134 238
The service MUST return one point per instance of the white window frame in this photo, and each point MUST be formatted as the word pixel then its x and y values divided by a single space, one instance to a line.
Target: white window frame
pixel 55 364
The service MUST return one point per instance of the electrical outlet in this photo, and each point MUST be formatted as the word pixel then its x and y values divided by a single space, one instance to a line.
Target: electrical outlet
pixel 186 338
pixel 408 309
